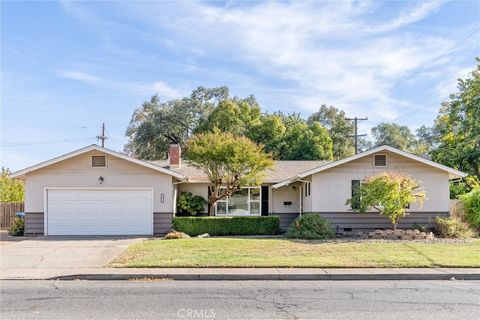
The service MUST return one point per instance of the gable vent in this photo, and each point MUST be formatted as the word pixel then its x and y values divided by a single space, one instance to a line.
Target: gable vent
pixel 380 160
pixel 99 161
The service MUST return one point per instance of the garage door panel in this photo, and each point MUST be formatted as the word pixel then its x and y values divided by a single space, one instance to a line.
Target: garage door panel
pixel 99 212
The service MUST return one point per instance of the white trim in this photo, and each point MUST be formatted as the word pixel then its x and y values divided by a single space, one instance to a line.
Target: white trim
pixel 100 149
pixel 249 201
pixel 45 204
pixel 452 172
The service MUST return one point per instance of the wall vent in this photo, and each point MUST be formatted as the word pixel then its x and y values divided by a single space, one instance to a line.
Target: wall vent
pixel 380 160
pixel 99 161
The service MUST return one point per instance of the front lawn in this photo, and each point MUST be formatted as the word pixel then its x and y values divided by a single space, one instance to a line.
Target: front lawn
pixel 237 252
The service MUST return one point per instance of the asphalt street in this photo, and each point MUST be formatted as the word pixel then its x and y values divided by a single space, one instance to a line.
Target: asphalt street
pixel 240 300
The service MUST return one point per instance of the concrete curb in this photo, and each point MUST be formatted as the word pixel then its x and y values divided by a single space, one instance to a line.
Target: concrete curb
pixel 266 277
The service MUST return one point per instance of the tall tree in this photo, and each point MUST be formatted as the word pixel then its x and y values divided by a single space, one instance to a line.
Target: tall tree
pixel 231 115
pixel 269 131
pixel 458 127
pixel 339 129
pixel 229 161
pixel 394 135
pixel 306 142
pixel 157 124
pixel 11 190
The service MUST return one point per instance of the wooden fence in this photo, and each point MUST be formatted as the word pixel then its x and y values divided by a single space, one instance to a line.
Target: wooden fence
pixel 7 213
pixel 456 208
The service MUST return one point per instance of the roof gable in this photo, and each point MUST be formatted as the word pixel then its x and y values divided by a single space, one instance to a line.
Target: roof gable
pixel 452 172
pixel 94 147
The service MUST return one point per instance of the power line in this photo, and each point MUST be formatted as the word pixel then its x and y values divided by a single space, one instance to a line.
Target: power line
pixel 102 137
pixel 445 52
pixel 28 143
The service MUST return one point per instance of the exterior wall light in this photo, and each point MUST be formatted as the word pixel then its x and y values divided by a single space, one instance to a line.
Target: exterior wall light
pixel 100 180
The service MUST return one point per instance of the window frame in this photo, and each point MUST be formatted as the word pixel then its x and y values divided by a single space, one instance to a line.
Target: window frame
pixel 98 155
pixel 259 201
pixel 380 154
pixel 355 193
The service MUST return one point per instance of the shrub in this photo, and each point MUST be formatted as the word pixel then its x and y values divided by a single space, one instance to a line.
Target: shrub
pixel 452 228
pixel 191 205
pixel 223 226
pixel 471 204
pixel 18 227
pixel 310 226
pixel 419 227
pixel 176 235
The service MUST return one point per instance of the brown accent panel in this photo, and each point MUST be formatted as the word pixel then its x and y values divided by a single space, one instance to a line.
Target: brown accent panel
pixel 34 223
pixel 369 221
pixel 162 222
pixel 286 219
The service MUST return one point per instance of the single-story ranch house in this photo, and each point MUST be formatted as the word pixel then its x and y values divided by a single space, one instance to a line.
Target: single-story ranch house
pixel 97 191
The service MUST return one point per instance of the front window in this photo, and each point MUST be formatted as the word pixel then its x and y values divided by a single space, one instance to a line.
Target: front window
pixel 245 201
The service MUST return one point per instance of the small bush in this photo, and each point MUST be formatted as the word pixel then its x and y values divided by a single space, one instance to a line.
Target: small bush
pixel 310 226
pixel 471 204
pixel 224 226
pixel 419 227
pixel 452 228
pixel 190 205
pixel 176 235
pixel 18 227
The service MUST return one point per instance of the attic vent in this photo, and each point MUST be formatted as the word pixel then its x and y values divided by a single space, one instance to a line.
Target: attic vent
pixel 380 160
pixel 99 161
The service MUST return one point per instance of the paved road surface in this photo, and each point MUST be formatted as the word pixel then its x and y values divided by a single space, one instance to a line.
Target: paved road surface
pixel 240 300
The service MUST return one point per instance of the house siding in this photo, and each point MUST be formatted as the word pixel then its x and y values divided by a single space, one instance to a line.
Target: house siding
pixel 162 222
pixel 331 188
pixel 286 218
pixel 34 223
pixel 370 221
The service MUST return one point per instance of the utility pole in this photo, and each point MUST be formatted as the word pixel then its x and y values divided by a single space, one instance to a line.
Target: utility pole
pixel 356 135
pixel 102 136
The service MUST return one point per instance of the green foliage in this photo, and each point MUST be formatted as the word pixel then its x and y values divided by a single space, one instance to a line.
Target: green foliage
pixel 458 188
pixel 233 115
pixel 191 205
pixel 471 204
pixel 269 131
pixel 230 162
pixel 394 135
pixel 310 226
pixel 419 227
pixel 18 227
pixel 223 226
pixel 390 193
pixel 176 235
pixel 11 190
pixel 339 129
pixel 157 124
pixel 452 228
pixel 307 142
pixel 458 127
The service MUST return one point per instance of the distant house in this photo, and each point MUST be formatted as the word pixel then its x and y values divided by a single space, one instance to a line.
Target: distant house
pixel 97 191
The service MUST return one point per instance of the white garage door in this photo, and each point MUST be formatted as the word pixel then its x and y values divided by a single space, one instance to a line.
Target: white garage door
pixel 99 212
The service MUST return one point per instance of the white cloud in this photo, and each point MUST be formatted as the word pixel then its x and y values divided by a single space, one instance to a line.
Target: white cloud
pixel 140 88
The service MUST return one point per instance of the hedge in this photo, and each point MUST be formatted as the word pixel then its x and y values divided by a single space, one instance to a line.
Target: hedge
pixel 224 226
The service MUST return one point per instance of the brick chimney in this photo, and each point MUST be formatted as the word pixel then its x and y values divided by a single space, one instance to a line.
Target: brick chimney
pixel 175 155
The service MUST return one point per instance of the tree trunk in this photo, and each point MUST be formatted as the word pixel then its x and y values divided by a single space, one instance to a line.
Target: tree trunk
pixel 395 225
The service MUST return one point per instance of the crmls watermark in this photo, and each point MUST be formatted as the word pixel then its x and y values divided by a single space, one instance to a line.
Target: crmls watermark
pixel 196 313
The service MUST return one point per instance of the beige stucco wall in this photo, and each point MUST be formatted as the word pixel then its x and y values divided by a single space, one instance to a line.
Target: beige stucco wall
pixel 331 188
pixel 77 172
pixel 288 193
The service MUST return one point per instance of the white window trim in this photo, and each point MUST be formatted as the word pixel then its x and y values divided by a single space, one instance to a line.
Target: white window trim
pixel 249 201
pixel 98 155
pixel 380 154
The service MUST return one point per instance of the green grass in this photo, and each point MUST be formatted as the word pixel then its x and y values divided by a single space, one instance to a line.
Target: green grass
pixel 237 252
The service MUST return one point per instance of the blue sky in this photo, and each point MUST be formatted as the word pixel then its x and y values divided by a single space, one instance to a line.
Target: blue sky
pixel 66 67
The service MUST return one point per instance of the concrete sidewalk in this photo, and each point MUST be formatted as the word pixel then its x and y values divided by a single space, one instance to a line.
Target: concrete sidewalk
pixel 242 274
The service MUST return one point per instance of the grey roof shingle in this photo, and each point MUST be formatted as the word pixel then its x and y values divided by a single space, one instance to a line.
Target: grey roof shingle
pixel 281 170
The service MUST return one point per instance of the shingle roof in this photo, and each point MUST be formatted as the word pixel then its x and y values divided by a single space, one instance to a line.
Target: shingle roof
pixel 281 170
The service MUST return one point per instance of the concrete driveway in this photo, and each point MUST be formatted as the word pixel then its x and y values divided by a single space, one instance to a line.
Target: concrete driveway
pixel 61 252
